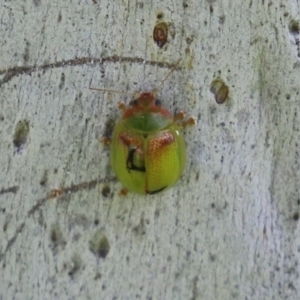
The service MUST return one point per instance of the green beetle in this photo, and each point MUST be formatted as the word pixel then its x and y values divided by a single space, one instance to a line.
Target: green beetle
pixel 147 147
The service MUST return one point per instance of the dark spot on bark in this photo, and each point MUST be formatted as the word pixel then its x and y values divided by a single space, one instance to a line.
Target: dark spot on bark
pixel 105 191
pixel 99 244
pixel 44 178
pixel 62 80
pixel 74 265
pixel 220 90
pixel 56 236
pixel 26 52
pixel 160 34
pixel 159 15
pixel 59 17
pixel 21 133
pixel 296 216
pixel 294 27
pixel 37 2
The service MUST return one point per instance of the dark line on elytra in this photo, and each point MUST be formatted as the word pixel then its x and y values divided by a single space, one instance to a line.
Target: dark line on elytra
pixel 16 71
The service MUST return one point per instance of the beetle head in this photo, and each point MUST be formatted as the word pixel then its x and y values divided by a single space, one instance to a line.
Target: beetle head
pixel 146 103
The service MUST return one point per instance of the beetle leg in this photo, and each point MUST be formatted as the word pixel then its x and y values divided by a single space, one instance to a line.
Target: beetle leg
pixel 190 121
pixel 123 192
pixel 105 141
pixel 180 117
pixel 122 106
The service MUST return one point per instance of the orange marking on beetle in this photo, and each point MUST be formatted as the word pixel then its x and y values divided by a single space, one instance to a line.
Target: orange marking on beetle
pixel 129 140
pixel 158 145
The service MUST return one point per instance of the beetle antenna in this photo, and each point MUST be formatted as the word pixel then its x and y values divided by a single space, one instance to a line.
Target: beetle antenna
pixel 136 94
pixel 167 76
pixel 111 91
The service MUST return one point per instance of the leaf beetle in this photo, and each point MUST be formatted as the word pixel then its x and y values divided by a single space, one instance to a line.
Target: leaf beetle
pixel 147 148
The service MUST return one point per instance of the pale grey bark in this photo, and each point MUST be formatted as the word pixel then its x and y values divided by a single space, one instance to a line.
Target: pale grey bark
pixel 228 230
